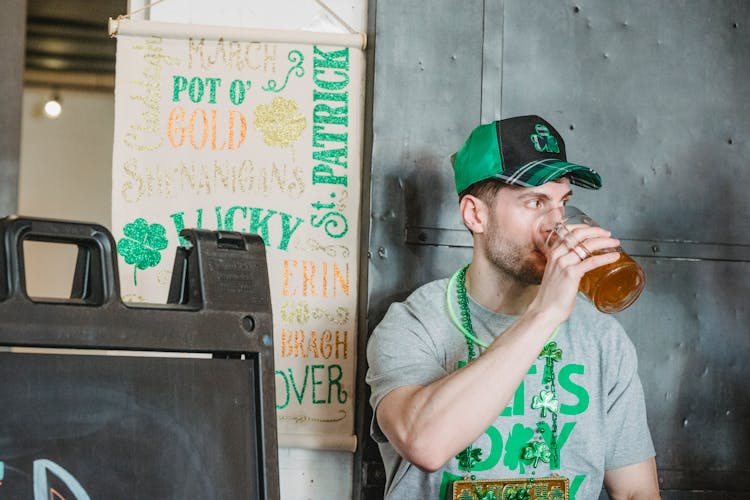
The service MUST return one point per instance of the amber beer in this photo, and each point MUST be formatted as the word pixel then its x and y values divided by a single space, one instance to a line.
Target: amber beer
pixel 615 286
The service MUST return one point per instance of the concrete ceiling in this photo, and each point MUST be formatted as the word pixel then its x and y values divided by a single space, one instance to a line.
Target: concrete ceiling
pixel 67 44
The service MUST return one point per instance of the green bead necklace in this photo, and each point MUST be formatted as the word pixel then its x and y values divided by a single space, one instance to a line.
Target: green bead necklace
pixel 546 401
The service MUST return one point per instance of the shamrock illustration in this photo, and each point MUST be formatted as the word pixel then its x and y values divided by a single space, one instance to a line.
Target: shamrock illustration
pixel 546 401
pixel 517 439
pixel 469 457
pixel 142 244
pixel 535 451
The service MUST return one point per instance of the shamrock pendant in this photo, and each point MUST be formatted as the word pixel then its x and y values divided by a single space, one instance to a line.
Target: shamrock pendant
pixel 545 401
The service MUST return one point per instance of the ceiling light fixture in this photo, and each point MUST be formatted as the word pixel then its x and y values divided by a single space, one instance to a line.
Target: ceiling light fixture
pixel 53 106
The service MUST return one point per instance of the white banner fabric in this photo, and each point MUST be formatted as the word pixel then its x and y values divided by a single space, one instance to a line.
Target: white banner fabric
pixel 260 137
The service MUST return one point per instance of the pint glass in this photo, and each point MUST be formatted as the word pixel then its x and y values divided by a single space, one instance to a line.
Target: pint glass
pixel 613 287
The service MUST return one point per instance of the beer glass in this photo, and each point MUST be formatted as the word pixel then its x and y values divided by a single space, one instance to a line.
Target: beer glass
pixel 613 287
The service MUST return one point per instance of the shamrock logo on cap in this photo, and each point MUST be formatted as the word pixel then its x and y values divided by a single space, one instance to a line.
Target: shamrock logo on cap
pixel 543 140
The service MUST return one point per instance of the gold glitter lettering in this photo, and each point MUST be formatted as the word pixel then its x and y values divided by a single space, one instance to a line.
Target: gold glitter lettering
pixel 194 178
pixel 132 190
pixel 301 313
pixel 145 136
pixel 238 56
pixel 150 183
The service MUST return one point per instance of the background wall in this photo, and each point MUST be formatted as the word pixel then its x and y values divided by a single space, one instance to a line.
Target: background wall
pixel 66 173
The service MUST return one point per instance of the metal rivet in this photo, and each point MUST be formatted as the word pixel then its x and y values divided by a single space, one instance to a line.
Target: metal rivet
pixel 248 323
pixel 382 252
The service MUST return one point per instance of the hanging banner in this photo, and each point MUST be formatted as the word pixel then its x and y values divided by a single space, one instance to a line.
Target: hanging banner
pixel 240 134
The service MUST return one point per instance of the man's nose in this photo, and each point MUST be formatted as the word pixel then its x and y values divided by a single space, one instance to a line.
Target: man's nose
pixel 552 217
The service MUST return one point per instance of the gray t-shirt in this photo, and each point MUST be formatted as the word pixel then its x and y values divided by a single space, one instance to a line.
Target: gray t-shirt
pixel 602 416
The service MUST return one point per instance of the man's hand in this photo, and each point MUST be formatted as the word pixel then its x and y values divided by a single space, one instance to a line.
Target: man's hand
pixel 568 259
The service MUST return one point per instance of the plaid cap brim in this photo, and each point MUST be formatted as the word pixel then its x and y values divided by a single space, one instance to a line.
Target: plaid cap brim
pixel 540 172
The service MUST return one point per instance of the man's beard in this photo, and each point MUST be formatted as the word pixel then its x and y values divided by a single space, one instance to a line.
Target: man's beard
pixel 512 259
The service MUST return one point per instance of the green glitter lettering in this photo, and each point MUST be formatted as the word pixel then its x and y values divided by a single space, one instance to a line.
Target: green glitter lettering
pixel 323 174
pixel 315 383
pixel 196 89
pixel 286 386
pixel 334 381
pixel 319 137
pixel 229 217
pixel 260 226
pixel 179 85
pixel 330 96
pixel 323 113
pixel 333 59
pixel 287 230
pixel 336 157
pixel 297 393
pixel 212 84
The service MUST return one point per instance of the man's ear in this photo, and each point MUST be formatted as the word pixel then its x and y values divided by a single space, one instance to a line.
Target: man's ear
pixel 474 213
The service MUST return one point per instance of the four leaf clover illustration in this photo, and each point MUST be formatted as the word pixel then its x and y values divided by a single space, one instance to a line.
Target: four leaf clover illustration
pixel 142 244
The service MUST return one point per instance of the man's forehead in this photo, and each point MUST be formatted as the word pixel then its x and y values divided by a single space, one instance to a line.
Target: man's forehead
pixel 552 188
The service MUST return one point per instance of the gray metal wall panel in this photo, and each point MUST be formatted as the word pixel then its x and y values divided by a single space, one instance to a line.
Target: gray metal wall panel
pixel 657 96
pixel 690 328
pixel 13 37
pixel 427 94
pixel 653 95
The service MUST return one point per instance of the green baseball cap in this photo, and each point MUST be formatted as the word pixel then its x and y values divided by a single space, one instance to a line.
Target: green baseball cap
pixel 524 151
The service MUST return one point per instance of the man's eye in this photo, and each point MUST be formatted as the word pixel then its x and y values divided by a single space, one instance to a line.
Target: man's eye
pixel 533 203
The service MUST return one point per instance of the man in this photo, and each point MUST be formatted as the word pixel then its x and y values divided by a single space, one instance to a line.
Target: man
pixel 502 371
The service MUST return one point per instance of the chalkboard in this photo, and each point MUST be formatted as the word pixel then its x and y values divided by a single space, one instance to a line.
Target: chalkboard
pixel 159 402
